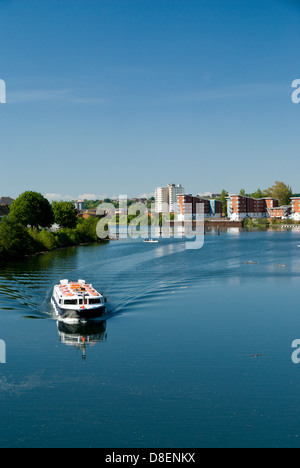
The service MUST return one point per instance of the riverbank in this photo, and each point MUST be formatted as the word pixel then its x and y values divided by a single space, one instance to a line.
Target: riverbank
pixel 16 241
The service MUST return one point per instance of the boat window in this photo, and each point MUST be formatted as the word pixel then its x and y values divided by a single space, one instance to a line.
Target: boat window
pixel 71 302
pixel 80 301
pixel 95 301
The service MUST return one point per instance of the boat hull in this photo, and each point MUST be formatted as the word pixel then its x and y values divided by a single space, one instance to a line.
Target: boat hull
pixel 78 314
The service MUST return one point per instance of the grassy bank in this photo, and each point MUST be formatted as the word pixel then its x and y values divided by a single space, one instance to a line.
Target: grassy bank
pixel 16 241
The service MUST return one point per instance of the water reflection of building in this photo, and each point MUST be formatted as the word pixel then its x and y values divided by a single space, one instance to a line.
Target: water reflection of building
pixel 81 335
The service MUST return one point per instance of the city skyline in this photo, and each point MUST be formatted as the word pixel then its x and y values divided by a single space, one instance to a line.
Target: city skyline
pixel 119 97
pixel 93 197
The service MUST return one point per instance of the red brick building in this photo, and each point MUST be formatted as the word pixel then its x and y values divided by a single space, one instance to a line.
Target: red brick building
pixel 296 208
pixel 281 212
pixel 241 207
pixel 189 206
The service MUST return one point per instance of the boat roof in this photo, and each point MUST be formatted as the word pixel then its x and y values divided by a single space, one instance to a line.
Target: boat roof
pixel 69 289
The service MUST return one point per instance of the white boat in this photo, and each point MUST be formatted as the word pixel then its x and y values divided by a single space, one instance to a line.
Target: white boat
pixel 151 241
pixel 77 300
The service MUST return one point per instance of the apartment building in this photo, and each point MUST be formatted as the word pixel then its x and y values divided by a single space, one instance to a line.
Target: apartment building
pixel 280 212
pixel 295 208
pixel 166 198
pixel 174 192
pixel 240 207
pixel 189 206
pixel 161 200
pixel 79 205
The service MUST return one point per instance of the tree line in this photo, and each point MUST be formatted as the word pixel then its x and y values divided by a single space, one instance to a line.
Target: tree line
pixel 26 229
pixel 280 191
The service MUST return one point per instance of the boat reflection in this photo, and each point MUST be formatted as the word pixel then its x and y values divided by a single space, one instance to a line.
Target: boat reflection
pixel 81 335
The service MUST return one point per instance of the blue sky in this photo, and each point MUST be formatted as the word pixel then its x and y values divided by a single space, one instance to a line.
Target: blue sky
pixel 108 97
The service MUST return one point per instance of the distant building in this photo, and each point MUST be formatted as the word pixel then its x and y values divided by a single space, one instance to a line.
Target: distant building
pixel 188 207
pixel 296 208
pixel 6 201
pixel 174 192
pixel 86 214
pixel 240 207
pixel 166 198
pixel 79 205
pixel 161 199
pixel 280 212
pixel 209 195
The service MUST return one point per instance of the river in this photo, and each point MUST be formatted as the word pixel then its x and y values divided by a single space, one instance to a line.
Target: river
pixel 195 350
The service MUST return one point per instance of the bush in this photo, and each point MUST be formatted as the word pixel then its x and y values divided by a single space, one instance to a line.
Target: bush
pixel 248 223
pixel 86 229
pixel 15 240
pixel 258 223
pixel 48 240
pixel 262 222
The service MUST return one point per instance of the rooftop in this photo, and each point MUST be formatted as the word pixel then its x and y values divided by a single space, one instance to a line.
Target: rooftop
pixel 246 196
pixel 6 201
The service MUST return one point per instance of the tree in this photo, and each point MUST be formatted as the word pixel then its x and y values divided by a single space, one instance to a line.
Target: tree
pixel 65 214
pixel 87 229
pixel 224 196
pixel 32 209
pixel 281 192
pixel 257 194
pixel 15 240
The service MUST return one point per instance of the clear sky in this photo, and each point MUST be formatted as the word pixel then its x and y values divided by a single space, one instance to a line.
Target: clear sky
pixel 108 97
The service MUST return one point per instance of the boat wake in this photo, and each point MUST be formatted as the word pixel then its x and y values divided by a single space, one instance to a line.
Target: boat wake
pixel 129 273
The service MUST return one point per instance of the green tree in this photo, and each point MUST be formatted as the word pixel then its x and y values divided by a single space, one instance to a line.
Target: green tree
pixel 257 194
pixel 224 196
pixel 281 192
pixel 32 209
pixel 65 214
pixel 87 229
pixel 15 240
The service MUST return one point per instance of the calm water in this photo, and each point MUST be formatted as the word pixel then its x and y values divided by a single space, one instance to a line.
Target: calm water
pixel 173 364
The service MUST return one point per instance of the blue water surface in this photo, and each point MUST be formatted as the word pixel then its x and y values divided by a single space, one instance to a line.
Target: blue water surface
pixel 195 350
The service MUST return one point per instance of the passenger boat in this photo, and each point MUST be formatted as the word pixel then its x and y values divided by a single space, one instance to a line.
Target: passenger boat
pixel 151 241
pixel 77 300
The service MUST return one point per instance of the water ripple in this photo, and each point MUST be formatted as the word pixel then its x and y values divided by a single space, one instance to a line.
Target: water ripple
pixel 129 273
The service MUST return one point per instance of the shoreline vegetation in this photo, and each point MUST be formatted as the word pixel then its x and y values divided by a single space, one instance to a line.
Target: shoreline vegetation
pixel 17 242
pixel 26 230
pixel 265 223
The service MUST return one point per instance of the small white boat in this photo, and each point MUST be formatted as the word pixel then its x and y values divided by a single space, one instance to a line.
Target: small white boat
pixel 151 241
pixel 77 300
